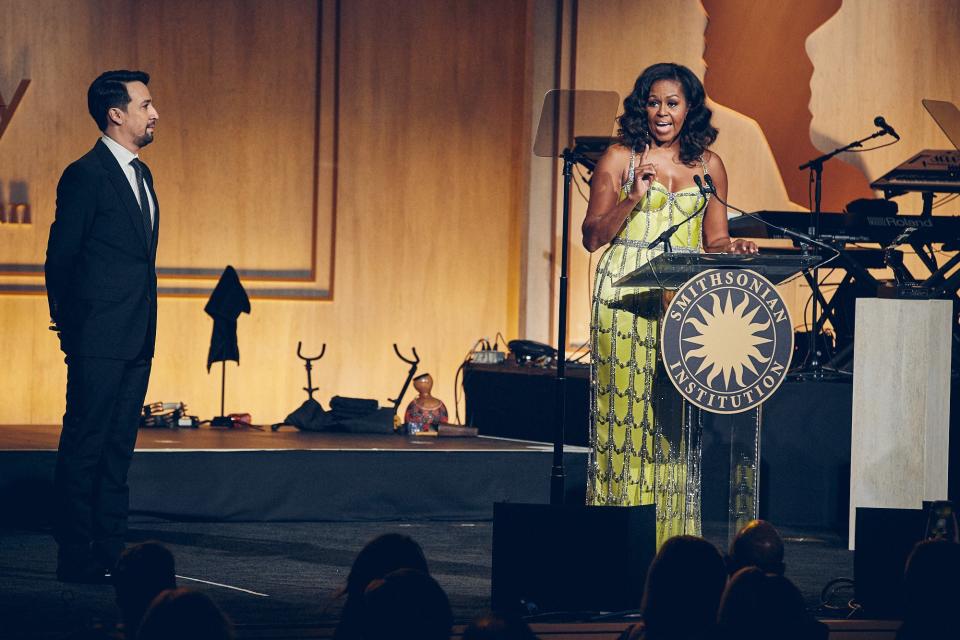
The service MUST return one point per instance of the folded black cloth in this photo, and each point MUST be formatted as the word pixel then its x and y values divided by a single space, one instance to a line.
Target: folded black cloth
pixel 310 416
pixel 380 421
pixel 346 408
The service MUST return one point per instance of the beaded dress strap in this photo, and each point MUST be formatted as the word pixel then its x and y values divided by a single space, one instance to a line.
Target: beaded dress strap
pixel 631 174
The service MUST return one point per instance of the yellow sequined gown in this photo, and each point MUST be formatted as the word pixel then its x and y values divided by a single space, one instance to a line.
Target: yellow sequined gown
pixel 645 442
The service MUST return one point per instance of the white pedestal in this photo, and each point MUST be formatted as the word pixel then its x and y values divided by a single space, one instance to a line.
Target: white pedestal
pixel 901 404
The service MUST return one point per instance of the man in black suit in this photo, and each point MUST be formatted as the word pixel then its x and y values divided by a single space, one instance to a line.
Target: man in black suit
pixel 102 290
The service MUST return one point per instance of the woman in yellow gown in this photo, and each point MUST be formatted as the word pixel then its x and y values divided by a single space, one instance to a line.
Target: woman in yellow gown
pixel 645 444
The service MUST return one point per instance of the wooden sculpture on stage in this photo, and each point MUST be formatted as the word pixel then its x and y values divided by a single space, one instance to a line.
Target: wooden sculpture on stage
pixel 425 413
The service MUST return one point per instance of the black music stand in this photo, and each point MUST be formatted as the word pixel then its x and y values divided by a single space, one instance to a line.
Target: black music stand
pixel 533 564
pixel 566 117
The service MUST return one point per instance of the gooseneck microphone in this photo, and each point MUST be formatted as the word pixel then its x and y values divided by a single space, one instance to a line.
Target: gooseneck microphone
pixel 887 129
pixel 703 190
pixel 712 189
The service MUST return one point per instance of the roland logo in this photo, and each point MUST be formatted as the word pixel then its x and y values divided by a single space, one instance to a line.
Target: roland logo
pixel 894 221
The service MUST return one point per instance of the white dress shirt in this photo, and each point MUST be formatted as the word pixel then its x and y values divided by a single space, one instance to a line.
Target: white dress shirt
pixel 123 156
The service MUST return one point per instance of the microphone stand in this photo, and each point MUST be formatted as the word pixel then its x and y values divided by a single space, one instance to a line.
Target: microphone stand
pixel 664 238
pixel 557 473
pixel 796 235
pixel 805 241
pixel 815 368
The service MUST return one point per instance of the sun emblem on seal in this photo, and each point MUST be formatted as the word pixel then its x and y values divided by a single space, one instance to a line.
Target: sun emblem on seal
pixel 726 340
pixel 727 337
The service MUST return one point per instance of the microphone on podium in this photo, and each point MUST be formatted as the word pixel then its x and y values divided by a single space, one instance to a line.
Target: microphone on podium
pixel 703 190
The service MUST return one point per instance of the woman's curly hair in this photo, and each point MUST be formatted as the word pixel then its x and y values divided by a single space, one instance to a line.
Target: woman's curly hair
pixel 697 133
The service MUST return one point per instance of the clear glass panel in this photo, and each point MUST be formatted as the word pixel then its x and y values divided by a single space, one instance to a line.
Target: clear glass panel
pixel 744 469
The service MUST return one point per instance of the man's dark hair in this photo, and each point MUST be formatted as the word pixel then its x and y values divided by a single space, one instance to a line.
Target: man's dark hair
pixel 406 605
pixel 109 90
pixel 144 570
pixel 382 555
pixel 931 591
pixel 758 544
pixel 185 615
pixel 757 606
pixel 690 566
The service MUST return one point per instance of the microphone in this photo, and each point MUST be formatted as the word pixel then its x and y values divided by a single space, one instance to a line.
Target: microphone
pixel 703 190
pixel 880 122
pixel 710 188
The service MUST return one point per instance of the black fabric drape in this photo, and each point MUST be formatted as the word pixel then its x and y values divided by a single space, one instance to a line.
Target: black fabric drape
pixel 226 303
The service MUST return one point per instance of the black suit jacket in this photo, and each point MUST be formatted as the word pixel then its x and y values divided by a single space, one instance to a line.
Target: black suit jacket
pixel 100 270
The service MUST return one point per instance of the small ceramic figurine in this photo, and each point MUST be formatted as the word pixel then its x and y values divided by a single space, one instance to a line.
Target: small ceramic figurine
pixel 425 413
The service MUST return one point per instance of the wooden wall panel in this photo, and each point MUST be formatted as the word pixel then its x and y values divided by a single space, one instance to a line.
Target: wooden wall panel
pixel 881 58
pixel 236 87
pixel 431 138
pixel 755 49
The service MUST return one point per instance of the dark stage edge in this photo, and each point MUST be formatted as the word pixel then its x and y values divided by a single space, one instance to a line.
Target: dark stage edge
pixel 254 476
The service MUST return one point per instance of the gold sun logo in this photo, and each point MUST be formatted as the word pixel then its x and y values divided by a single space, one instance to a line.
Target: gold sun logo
pixel 728 340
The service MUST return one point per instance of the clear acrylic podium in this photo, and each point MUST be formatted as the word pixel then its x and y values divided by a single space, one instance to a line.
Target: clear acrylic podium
pixel 673 270
pixel 670 271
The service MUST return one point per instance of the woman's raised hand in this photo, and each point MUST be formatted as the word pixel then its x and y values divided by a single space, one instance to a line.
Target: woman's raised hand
pixel 644 175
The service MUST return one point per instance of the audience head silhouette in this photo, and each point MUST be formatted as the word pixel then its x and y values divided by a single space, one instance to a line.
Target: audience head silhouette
pixel 758 544
pixel 143 571
pixel 758 606
pixel 382 555
pixel 406 605
pixel 683 589
pixel 931 590
pixel 182 614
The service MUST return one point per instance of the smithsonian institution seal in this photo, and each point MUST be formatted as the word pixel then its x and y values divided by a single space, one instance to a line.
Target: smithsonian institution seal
pixel 727 339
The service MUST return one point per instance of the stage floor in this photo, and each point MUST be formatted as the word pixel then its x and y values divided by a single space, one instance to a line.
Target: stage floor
pixel 246 475
pixel 45 438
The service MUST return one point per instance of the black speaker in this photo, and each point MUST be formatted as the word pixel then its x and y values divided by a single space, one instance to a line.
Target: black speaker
pixel 550 558
pixel 884 540
pixel 513 401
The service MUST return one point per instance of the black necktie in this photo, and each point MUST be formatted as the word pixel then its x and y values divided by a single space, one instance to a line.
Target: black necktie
pixel 144 203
